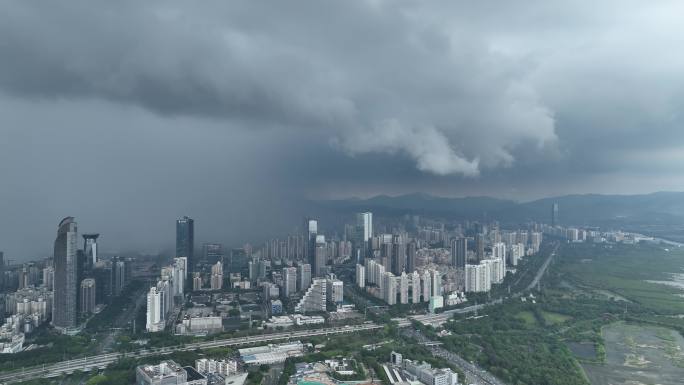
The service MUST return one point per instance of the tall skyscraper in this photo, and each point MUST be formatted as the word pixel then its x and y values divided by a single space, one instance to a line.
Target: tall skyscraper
pixel 179 276
pixel 23 278
pixel 197 282
pixel 398 260
pixel 459 252
pixel 404 288
pixel 185 240
pixel 411 256
pixel 182 266
pixel 426 280
pixel 64 316
pixel 155 310
pixel 212 253
pixel 88 294
pixel 49 277
pixel 535 241
pixel 310 233
pixel 478 278
pixel 289 281
pixel 2 270
pixel 360 275
pixel 118 275
pixel 495 235
pixel 415 287
pixel 80 273
pixel 554 214
pixel 320 257
pixel 389 288
pixel 499 251
pixel 436 283
pixel 90 250
pixel 335 289
pixel 304 274
pixel 479 246
pixel 364 233
pixel 257 269
pixel 104 279
pixel 216 281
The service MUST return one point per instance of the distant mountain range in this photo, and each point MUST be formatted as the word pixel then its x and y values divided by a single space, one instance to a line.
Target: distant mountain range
pixel 656 209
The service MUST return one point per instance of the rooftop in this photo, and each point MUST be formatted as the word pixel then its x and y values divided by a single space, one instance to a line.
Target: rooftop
pixel 193 374
pixel 163 369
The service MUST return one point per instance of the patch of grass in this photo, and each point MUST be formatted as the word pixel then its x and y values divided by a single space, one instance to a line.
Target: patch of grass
pixel 527 317
pixel 625 270
pixel 665 335
pixel 552 318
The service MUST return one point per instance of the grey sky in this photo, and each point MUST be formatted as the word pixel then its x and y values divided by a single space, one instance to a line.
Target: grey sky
pixel 128 114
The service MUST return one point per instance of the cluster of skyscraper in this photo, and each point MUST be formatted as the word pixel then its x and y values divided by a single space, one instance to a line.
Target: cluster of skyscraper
pixel 414 287
pixel 169 291
pixel 392 267
pixel 170 288
pixel 185 271
pixel 488 268
pixel 80 278
pixel 388 263
pixel 395 266
pixel 306 277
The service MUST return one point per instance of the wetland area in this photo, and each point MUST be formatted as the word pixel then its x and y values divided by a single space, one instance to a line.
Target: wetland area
pixel 637 355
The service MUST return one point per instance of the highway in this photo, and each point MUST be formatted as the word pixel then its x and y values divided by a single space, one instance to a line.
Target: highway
pixel 440 318
pixel 101 361
pixel 542 269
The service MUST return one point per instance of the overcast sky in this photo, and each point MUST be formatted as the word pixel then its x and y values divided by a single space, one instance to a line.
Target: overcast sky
pixel 128 114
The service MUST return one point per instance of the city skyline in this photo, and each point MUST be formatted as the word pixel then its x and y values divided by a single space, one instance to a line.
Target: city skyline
pixel 215 233
pixel 355 192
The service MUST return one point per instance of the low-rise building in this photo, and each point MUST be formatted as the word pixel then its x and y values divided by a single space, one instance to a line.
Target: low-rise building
pixel 200 325
pixel 423 372
pixel 224 367
pixel 287 321
pixel 11 342
pixel 335 289
pixel 455 298
pixel 341 366
pixel 271 354
pixel 276 307
pixel 283 322
pixel 165 373
pixel 194 377
pixel 436 302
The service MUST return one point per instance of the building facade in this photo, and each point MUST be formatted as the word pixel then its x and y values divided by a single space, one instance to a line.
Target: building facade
pixel 64 315
pixel 185 240
pixel 88 292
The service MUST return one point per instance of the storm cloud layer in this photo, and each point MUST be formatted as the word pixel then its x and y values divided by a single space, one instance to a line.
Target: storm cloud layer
pixel 127 111
pixel 373 75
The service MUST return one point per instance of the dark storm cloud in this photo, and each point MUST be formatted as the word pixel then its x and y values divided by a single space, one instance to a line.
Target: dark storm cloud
pixel 230 110
pixel 375 77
